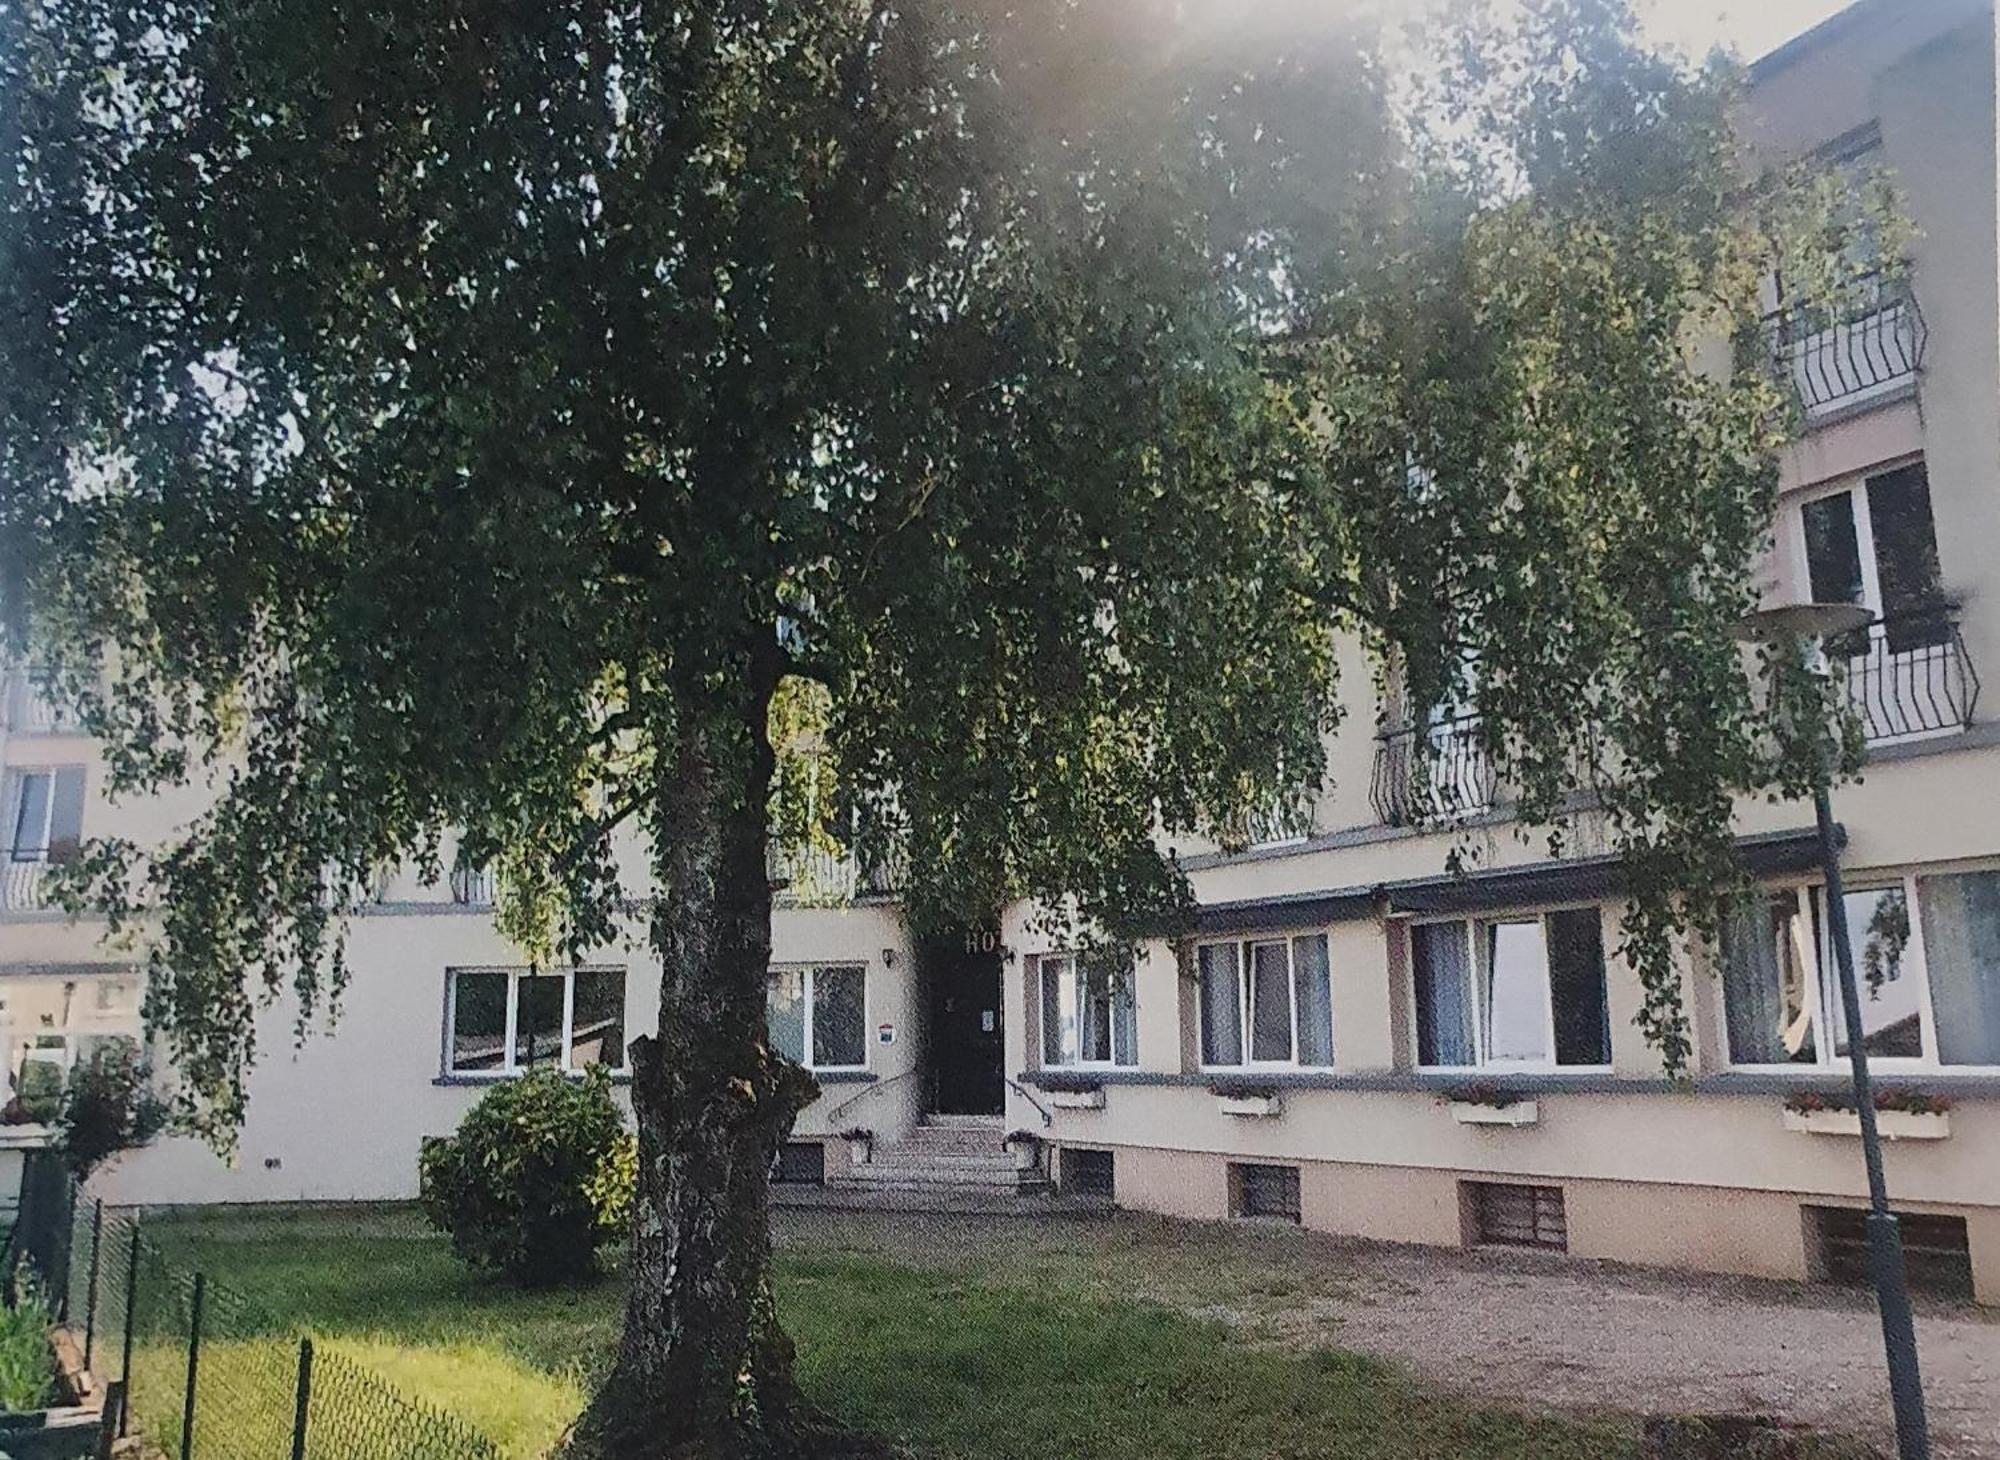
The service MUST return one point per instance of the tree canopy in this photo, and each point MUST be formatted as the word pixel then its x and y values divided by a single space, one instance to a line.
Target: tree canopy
pixel 451 430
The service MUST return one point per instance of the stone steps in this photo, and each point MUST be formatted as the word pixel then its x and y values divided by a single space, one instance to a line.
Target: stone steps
pixel 960 1154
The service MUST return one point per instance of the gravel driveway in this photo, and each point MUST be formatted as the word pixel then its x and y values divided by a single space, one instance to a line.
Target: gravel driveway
pixel 1522 1328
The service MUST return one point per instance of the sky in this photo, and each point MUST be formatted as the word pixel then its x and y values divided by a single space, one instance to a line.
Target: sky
pixel 1751 27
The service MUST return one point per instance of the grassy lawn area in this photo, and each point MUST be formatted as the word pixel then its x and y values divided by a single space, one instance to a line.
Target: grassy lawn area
pixel 1007 1341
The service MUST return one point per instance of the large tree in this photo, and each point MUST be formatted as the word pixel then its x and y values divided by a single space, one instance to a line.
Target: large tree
pixel 472 429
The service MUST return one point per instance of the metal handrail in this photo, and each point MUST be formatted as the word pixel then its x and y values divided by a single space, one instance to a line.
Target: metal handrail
pixel 1042 1110
pixel 873 1087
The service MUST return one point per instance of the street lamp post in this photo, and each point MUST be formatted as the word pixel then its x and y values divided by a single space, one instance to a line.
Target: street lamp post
pixel 1806 627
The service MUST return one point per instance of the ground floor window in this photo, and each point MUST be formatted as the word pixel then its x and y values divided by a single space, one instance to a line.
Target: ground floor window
pixel 1090 1010
pixel 1521 992
pixel 505 1021
pixel 818 1015
pixel 1266 1001
pixel 1926 963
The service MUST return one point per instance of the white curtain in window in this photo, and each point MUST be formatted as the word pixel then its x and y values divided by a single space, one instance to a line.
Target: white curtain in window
pixel 1961 922
pixel 1313 976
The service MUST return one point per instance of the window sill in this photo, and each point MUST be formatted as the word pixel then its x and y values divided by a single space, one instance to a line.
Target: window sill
pixel 844 1077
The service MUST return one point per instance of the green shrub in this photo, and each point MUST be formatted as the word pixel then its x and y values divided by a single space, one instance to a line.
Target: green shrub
pixel 536 1179
pixel 108 1106
pixel 27 1365
pixel 39 1088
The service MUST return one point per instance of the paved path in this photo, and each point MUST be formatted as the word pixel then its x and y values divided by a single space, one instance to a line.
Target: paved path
pixel 1522 1328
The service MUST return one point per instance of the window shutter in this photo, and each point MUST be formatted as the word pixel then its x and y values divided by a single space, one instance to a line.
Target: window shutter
pixel 66 814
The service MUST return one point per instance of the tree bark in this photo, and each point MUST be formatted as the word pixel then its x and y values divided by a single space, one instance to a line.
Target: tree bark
pixel 703 1371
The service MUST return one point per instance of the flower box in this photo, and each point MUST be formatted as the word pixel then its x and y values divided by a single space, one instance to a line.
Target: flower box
pixel 1253 1106
pixel 1077 1099
pixel 1520 1112
pixel 1894 1125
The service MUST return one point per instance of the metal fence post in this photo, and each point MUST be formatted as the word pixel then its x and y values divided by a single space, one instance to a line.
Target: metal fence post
pixel 131 1319
pixel 303 1404
pixel 90 1293
pixel 194 1365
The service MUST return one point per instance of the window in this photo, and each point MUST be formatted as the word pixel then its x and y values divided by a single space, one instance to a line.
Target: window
pixel 1505 1214
pixel 1876 545
pixel 1266 1001
pixel 507 1020
pixel 1089 1172
pixel 800 1163
pixel 44 810
pixel 1090 1011
pixel 1937 1255
pixel 1926 966
pixel 1522 992
pixel 818 1015
pixel 1265 1191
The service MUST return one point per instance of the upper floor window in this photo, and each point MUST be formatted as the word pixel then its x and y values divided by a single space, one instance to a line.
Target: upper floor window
pixel 818 1015
pixel 1090 1010
pixel 30 704
pixel 1875 545
pixel 505 1021
pixel 1520 993
pixel 1266 1001
pixel 44 813
pixel 1926 965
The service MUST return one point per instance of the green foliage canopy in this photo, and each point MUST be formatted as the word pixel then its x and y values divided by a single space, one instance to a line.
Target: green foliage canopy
pixel 416 422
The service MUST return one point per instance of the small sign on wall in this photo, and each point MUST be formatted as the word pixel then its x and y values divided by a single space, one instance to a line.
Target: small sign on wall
pixel 885 1034
pixel 985 1021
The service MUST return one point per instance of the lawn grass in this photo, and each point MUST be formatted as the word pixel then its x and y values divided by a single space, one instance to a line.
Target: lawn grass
pixel 1016 1345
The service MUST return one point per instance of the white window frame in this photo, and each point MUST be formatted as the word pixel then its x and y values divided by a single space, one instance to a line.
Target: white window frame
pixel 1066 965
pixel 1854 487
pixel 1482 1060
pixel 509 1070
pixel 808 1035
pixel 1824 992
pixel 1243 946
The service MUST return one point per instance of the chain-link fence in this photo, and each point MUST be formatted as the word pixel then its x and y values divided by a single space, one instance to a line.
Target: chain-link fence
pixel 206 1372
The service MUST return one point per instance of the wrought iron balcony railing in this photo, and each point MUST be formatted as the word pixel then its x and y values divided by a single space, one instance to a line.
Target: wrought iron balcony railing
pixel 1432 773
pixel 1909 675
pixel 819 876
pixel 23 884
pixel 472 886
pixel 1840 358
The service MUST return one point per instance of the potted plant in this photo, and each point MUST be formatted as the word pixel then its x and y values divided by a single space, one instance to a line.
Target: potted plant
pixel 1246 1099
pixel 1900 1115
pixel 1027 1148
pixel 860 1144
pixel 1488 1104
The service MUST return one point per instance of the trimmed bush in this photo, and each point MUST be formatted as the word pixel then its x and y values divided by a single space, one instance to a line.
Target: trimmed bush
pixel 538 1177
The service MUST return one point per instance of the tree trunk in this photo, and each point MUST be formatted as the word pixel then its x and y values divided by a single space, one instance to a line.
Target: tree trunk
pixel 703 1370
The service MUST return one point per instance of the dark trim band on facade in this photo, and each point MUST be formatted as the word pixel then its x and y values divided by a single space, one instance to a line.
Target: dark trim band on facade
pixel 1771 854
pixel 1726 1083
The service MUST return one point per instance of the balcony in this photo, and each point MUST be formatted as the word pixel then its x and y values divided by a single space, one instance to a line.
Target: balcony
pixel 1837 360
pixel 1430 774
pixel 1909 676
pixel 24 885
pixel 827 876
pixel 31 707
pixel 472 886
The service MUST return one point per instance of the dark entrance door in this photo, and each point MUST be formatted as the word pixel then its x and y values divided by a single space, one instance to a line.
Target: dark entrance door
pixel 965 1041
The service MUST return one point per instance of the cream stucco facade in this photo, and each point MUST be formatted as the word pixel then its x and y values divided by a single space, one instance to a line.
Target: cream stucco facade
pixel 1702 1174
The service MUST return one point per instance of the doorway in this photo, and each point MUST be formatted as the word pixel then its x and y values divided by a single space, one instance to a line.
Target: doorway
pixel 965 1034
